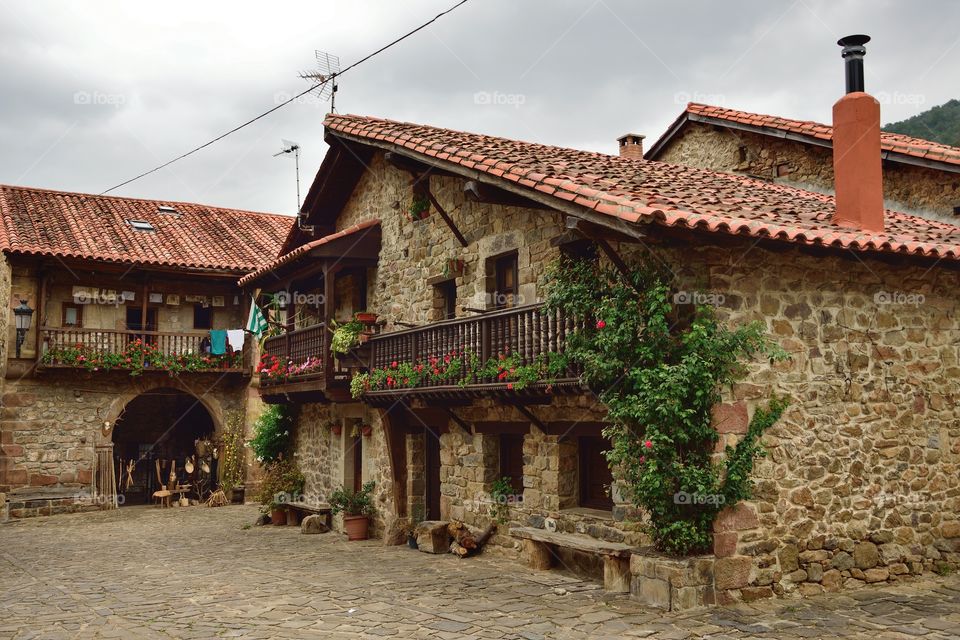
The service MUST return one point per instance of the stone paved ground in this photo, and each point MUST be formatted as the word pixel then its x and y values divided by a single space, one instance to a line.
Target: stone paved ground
pixel 196 573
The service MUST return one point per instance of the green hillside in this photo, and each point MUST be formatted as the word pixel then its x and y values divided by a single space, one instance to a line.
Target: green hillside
pixel 939 124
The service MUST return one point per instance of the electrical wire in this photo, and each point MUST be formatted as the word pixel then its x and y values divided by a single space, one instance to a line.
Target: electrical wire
pixel 331 78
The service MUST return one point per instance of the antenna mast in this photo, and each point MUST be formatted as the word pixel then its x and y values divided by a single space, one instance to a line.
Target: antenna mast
pixel 294 148
pixel 328 66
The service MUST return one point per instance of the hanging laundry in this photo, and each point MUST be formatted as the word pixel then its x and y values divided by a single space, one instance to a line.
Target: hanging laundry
pixel 218 342
pixel 235 339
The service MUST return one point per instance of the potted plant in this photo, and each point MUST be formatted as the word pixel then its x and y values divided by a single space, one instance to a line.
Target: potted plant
pixel 282 481
pixel 356 507
pixel 366 430
pixel 336 428
pixel 409 530
pixel 365 318
pixel 232 467
pixel 278 515
pixel 345 336
pixel 419 207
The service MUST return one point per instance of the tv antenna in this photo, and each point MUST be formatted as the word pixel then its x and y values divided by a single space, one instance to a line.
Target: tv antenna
pixel 328 66
pixel 294 148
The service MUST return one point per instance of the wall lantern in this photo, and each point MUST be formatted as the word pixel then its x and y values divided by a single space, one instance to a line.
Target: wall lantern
pixel 24 315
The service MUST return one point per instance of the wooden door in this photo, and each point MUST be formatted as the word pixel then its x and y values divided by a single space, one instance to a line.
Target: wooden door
pixel 432 471
pixel 595 475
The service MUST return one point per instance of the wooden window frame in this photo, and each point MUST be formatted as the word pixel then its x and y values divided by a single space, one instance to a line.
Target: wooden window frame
pixel 501 299
pixel 63 314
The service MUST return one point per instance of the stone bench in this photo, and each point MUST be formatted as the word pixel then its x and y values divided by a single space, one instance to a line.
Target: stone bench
pixel 538 550
pixel 305 508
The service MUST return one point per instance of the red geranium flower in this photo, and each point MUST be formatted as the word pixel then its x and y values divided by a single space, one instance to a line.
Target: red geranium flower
pixel 648 444
pixel 601 324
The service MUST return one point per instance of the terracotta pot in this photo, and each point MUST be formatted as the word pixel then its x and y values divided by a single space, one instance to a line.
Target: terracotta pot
pixel 336 429
pixel 366 318
pixel 278 517
pixel 357 527
pixel 366 430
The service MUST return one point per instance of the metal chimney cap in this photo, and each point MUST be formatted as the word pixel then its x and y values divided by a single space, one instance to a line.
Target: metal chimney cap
pixel 853 45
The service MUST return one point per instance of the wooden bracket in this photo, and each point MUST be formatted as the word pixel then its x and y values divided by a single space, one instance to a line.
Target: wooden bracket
pixel 479 192
pixel 446 218
pixel 529 416
pixel 460 421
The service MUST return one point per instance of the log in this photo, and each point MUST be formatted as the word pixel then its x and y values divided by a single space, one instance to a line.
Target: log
pixel 457 550
pixel 465 543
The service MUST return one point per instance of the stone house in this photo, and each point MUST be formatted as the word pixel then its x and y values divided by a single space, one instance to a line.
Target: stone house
pixel 445 235
pixel 919 176
pixel 110 281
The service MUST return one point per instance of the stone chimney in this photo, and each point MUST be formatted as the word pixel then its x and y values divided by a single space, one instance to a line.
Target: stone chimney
pixel 858 177
pixel 631 145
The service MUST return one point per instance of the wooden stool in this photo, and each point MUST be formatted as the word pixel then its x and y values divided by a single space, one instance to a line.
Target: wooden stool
pixel 163 497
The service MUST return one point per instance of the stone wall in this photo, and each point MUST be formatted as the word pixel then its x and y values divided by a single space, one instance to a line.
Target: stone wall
pixel 906 187
pixel 51 423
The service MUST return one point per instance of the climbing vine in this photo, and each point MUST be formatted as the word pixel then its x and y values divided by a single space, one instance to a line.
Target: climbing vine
pixel 659 368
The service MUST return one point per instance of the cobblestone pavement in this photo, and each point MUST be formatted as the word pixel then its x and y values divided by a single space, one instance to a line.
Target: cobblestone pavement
pixel 197 573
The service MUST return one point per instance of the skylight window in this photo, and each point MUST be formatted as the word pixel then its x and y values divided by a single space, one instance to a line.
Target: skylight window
pixel 141 225
pixel 163 208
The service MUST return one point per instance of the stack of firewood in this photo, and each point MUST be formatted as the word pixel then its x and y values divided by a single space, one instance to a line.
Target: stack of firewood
pixel 465 542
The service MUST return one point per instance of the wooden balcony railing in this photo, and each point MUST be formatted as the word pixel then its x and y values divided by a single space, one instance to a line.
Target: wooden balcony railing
pixel 301 354
pixel 530 334
pixel 124 349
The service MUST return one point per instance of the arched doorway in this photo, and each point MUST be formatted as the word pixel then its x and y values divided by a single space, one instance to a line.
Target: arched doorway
pixel 157 433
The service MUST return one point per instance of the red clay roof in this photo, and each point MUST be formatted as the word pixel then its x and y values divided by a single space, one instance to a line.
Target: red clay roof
pixel 84 226
pixel 891 142
pixel 655 192
pixel 301 251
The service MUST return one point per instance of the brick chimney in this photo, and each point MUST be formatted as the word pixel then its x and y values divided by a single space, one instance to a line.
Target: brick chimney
pixel 631 145
pixel 858 178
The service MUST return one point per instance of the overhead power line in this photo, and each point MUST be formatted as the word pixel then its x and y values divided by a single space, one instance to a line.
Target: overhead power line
pixel 286 102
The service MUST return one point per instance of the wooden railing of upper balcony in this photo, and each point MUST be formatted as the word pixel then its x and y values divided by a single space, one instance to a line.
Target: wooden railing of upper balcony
pixel 106 342
pixel 297 347
pixel 530 331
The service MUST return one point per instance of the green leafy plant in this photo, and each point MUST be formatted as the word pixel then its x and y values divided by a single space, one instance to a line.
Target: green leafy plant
pixel 138 356
pixel 232 463
pixel 281 481
pixel 419 207
pixel 271 433
pixel 660 372
pixel 501 494
pixel 346 336
pixel 353 503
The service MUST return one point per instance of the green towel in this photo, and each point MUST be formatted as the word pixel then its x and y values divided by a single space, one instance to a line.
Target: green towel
pixel 218 341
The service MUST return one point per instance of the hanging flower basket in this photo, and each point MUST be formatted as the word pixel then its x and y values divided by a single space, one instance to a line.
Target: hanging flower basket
pixel 366 430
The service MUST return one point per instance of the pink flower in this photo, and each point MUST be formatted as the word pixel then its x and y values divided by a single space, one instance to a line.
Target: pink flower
pixel 601 324
pixel 394 364
pixel 648 444
pixel 643 459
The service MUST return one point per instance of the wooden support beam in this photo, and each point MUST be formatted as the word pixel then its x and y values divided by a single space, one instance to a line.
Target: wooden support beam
pixel 496 427
pixel 587 231
pixel 460 421
pixel 446 218
pixel 529 416
pixel 488 194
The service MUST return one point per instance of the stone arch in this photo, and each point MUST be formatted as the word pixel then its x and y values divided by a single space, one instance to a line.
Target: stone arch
pixel 141 386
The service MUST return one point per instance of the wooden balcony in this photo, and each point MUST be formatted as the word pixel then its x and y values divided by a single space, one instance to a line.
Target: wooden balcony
pixel 146 351
pixel 304 367
pixel 526 335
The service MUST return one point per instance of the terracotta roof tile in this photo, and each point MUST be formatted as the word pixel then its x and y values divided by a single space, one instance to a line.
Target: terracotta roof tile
pixel 670 195
pixel 297 254
pixel 894 142
pixel 84 226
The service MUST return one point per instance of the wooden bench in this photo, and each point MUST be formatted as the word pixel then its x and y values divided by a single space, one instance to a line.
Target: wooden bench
pixel 538 550
pixel 302 509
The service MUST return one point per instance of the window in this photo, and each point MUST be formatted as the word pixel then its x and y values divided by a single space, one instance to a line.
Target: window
pixel 445 299
pixel 202 317
pixel 595 475
pixel 505 277
pixel 141 225
pixel 511 461
pixel 72 315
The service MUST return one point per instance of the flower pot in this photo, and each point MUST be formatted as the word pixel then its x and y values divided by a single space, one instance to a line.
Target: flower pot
pixel 237 495
pixel 364 317
pixel 336 429
pixel 366 430
pixel 278 517
pixel 356 527
pixel 412 542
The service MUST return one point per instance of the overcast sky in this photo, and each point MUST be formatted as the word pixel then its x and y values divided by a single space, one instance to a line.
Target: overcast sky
pixel 94 93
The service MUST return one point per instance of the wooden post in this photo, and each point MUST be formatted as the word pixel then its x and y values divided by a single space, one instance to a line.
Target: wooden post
pixel 329 274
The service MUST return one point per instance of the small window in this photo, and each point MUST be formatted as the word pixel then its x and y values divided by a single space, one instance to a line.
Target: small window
pixel 445 299
pixel 511 461
pixel 505 282
pixel 141 225
pixel 202 317
pixel 72 315
pixel 168 210
pixel 595 475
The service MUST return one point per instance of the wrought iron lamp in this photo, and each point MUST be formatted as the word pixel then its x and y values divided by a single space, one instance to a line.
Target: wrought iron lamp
pixel 24 315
